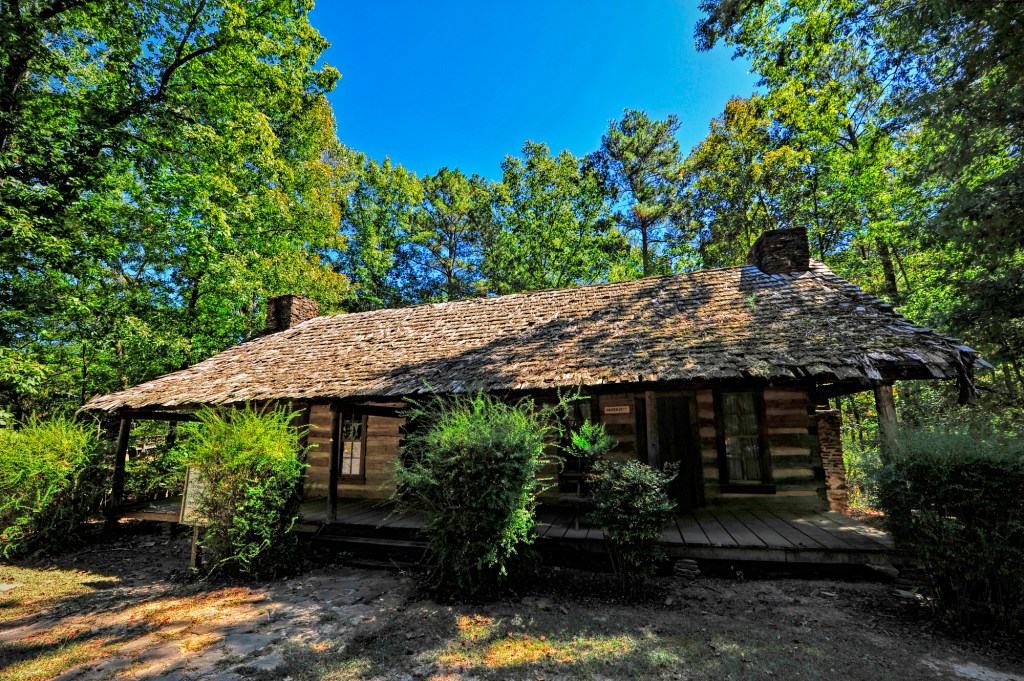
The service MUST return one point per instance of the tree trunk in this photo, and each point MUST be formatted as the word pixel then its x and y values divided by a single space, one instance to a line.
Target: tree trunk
pixel 644 246
pixel 888 270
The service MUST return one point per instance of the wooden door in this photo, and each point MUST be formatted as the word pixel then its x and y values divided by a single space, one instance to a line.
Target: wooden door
pixel 676 443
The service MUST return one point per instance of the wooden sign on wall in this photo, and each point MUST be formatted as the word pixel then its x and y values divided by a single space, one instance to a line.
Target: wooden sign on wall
pixel 624 409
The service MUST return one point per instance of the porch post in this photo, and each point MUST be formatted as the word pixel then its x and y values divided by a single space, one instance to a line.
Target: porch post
pixel 653 446
pixel 332 466
pixel 117 480
pixel 885 404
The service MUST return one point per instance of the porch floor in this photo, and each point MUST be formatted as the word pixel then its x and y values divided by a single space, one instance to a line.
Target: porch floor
pixel 736 532
pixel 726 532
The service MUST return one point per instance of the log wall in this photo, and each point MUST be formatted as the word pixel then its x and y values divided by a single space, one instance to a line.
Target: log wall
pixel 790 428
pixel 795 455
pixel 383 435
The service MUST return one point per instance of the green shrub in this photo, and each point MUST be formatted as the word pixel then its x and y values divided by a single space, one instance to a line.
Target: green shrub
pixel 863 468
pixel 588 444
pixel 51 480
pixel 632 504
pixel 956 502
pixel 251 462
pixel 471 464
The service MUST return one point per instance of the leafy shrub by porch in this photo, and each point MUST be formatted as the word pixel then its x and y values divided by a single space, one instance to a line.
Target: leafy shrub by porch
pixel 588 444
pixel 51 479
pixel 251 462
pixel 956 502
pixel 632 504
pixel 863 467
pixel 471 464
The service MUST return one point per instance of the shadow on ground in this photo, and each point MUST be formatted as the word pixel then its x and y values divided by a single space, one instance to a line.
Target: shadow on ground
pixel 120 610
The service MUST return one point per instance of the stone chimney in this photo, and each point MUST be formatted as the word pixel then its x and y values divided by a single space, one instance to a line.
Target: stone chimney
pixel 780 251
pixel 284 312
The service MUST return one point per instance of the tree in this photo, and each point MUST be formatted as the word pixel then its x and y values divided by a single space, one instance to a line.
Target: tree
pixel 744 178
pixel 640 161
pixel 163 168
pixel 826 85
pixel 378 219
pixel 449 231
pixel 553 227
pixel 913 108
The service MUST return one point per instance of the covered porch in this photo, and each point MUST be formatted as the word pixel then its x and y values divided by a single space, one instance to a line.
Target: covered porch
pixel 729 531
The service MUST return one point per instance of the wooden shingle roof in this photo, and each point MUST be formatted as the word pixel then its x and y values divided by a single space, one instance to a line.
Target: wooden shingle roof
pixel 711 325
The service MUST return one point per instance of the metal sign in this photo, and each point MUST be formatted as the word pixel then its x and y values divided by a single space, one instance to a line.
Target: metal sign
pixel 624 409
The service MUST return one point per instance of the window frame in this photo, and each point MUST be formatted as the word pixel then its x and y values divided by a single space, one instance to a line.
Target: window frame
pixel 339 442
pixel 766 484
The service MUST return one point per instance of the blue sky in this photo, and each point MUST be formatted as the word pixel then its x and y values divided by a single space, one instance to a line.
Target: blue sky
pixel 462 84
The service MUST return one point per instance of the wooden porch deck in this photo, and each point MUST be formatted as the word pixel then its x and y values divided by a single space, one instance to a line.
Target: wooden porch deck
pixel 728 532
pixel 734 532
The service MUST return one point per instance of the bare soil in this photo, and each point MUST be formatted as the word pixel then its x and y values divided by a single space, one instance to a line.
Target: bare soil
pixel 122 609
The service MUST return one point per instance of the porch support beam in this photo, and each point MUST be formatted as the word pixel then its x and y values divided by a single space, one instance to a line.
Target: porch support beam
pixel 117 480
pixel 155 415
pixel 653 446
pixel 332 467
pixel 885 404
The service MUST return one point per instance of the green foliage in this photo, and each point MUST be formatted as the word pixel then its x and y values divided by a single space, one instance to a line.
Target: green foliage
pixel 51 480
pixel 589 443
pixel 632 504
pixel 747 177
pixel 377 221
pixel 163 168
pixel 252 463
pixel 640 162
pixel 448 236
pixel 906 118
pixel 157 468
pixel 863 468
pixel 473 465
pixel 553 225
pixel 954 501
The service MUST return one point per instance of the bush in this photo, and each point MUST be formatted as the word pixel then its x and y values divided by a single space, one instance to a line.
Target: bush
pixel 588 444
pixel 632 504
pixel 51 480
pixel 471 464
pixel 955 502
pixel 251 463
pixel 863 468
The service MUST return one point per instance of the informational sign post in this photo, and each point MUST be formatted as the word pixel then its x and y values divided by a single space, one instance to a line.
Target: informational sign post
pixel 195 492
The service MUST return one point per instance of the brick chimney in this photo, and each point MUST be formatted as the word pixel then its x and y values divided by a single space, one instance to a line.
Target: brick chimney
pixel 284 312
pixel 780 251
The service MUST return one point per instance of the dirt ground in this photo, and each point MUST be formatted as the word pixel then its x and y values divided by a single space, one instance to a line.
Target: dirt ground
pixel 122 610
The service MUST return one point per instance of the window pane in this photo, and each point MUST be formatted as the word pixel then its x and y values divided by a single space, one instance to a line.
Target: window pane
pixel 351 448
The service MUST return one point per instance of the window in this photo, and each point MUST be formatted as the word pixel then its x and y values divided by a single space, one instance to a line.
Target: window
pixel 744 458
pixel 351 448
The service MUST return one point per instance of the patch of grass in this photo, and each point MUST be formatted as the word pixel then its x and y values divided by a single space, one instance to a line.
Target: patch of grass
pixel 524 649
pixel 92 620
pixel 42 587
pixel 49 664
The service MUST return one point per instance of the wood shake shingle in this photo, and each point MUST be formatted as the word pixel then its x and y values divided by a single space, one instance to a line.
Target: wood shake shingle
pixel 735 323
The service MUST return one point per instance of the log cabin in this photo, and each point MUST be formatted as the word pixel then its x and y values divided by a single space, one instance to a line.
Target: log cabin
pixel 727 371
